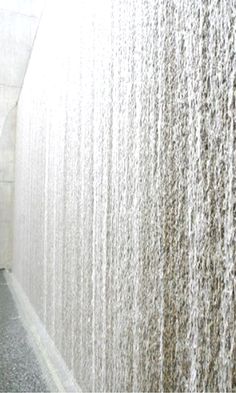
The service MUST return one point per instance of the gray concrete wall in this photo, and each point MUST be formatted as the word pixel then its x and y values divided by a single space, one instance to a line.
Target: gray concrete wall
pixel 124 237
pixel 18 24
pixel 7 150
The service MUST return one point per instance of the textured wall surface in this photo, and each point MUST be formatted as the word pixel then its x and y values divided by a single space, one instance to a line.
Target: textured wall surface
pixel 125 191
pixel 7 148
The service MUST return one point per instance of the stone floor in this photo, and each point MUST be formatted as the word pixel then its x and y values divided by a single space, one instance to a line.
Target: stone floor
pixel 19 369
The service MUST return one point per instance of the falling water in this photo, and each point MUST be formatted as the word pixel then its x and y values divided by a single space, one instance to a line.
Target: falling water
pixel 125 191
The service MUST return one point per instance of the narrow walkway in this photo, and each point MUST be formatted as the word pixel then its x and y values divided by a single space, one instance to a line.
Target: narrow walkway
pixel 19 369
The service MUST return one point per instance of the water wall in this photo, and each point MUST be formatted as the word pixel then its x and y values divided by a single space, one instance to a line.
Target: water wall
pixel 124 236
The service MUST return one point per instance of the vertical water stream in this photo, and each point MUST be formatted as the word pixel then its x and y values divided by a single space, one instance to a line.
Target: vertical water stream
pixel 126 191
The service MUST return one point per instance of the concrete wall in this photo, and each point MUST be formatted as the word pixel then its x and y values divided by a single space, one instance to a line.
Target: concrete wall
pixel 18 24
pixel 7 149
pixel 125 174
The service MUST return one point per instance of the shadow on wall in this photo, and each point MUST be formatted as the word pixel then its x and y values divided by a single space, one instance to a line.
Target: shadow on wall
pixel 7 151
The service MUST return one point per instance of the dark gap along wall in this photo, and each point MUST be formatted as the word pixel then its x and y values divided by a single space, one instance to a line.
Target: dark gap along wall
pixel 125 192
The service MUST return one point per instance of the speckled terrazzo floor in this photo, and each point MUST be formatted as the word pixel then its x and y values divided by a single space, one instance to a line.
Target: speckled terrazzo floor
pixel 19 368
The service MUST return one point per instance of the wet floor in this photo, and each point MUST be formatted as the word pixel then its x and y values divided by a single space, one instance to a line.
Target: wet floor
pixel 19 368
